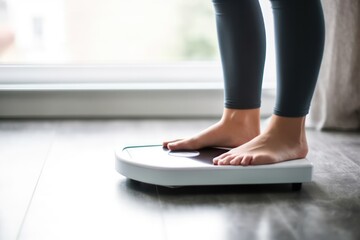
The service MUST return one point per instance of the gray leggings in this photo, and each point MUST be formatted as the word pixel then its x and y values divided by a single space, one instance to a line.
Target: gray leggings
pixel 299 38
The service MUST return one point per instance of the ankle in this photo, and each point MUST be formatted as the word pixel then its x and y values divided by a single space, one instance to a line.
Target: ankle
pixel 248 117
pixel 243 122
pixel 292 129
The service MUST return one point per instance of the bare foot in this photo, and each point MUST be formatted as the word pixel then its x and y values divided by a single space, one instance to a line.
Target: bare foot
pixel 283 140
pixel 235 128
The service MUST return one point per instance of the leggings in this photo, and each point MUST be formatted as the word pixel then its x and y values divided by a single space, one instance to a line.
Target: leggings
pixel 299 43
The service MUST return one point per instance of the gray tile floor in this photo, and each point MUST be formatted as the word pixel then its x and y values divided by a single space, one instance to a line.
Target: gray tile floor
pixel 57 181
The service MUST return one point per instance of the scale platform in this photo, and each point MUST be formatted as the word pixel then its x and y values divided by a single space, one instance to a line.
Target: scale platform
pixel 154 164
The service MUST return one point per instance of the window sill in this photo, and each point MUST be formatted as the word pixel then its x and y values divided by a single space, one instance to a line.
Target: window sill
pixel 76 91
pixel 137 100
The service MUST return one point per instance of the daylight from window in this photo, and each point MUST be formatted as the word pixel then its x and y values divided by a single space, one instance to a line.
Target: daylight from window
pixel 113 32
pixel 107 31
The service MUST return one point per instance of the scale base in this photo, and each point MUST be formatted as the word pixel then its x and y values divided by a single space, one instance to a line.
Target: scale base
pixel 156 165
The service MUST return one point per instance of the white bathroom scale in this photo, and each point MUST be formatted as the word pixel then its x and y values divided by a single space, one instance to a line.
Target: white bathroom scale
pixel 154 164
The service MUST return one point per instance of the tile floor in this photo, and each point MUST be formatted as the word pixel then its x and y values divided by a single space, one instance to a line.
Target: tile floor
pixel 57 181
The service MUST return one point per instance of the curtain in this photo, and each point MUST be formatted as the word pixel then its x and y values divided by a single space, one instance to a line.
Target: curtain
pixel 336 101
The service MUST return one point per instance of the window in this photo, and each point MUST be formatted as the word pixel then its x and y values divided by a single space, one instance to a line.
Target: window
pixel 109 31
pixel 154 43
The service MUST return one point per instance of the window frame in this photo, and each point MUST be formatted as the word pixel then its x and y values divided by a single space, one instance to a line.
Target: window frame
pixel 110 91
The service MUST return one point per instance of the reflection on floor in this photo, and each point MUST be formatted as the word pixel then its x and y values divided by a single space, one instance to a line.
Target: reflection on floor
pixel 57 181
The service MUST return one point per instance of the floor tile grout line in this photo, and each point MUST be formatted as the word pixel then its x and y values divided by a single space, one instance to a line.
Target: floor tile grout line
pixel 36 185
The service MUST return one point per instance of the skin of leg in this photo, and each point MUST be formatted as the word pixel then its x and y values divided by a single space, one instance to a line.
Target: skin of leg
pixel 284 139
pixel 235 128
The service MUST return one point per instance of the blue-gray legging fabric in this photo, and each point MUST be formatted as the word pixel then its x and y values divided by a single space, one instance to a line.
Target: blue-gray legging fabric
pixel 299 43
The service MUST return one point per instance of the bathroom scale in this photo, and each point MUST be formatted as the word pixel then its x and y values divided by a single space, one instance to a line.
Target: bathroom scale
pixel 157 165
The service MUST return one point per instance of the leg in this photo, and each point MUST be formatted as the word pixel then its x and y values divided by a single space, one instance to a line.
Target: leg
pixel 299 35
pixel 241 35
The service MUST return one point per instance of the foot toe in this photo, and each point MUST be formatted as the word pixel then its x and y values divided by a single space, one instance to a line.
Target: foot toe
pixel 175 146
pixel 246 160
pixel 236 161
pixel 166 143
pixel 185 144
pixel 226 160
pixel 222 156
